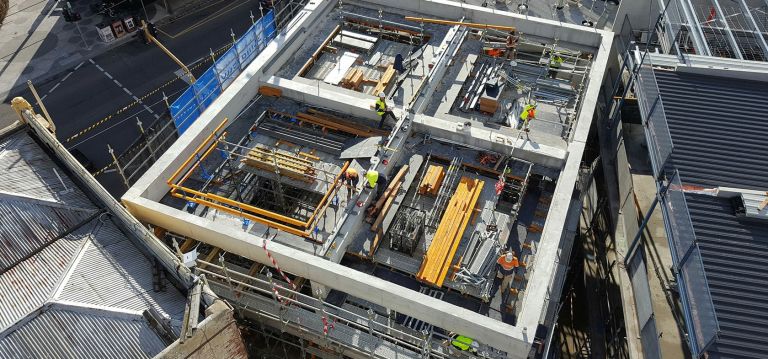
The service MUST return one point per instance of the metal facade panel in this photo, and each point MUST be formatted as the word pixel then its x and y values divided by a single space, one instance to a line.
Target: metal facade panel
pixel 63 333
pixel 29 284
pixel 733 251
pixel 28 226
pixel 27 170
pixel 113 272
pixel 718 129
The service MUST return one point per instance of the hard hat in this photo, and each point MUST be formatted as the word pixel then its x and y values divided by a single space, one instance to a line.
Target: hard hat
pixel 475 345
pixel 382 95
pixel 509 257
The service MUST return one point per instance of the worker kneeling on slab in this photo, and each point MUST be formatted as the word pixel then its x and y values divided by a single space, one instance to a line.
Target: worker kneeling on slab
pixel 382 109
pixel 351 179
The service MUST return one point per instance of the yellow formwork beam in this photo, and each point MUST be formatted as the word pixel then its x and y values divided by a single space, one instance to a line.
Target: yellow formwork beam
pixel 449 232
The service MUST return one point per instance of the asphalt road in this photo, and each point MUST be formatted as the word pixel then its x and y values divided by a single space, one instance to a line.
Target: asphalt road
pixel 101 87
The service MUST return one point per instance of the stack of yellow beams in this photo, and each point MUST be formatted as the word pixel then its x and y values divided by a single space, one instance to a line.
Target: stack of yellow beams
pixel 283 163
pixel 432 180
pixel 437 260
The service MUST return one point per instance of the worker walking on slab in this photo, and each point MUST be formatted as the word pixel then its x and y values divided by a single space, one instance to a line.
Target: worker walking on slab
pixel 508 263
pixel 528 113
pixel 382 109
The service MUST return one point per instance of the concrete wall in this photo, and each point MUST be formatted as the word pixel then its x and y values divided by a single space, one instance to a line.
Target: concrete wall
pixel 231 102
pixel 337 276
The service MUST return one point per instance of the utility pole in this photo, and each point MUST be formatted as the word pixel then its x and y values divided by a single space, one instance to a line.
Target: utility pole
pixel 152 39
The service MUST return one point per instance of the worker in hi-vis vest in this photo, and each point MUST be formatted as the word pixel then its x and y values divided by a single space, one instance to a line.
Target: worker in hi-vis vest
pixel 464 343
pixel 555 60
pixel 382 109
pixel 528 113
pixel 372 177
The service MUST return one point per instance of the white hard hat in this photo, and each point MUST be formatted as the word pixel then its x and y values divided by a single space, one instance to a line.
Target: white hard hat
pixel 382 94
pixel 509 257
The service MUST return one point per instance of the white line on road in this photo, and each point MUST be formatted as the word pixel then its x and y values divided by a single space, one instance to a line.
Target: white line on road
pixel 54 87
pixel 63 79
pixel 124 89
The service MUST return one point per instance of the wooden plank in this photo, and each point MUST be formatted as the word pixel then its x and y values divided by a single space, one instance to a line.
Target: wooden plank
pixel 316 54
pixel 347 125
pixel 439 256
pixel 385 209
pixel 391 188
pixel 384 81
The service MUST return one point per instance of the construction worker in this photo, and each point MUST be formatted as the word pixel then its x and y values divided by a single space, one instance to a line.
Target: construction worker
pixel 508 263
pixel 555 60
pixel 372 176
pixel 512 40
pixel 382 109
pixel 464 343
pixel 528 113
pixel 351 179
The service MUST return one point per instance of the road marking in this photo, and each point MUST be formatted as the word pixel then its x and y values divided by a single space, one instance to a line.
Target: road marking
pixel 124 89
pixel 63 79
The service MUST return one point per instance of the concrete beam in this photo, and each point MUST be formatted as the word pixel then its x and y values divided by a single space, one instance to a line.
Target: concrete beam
pixel 533 26
pixel 537 297
pixel 491 140
pixel 403 300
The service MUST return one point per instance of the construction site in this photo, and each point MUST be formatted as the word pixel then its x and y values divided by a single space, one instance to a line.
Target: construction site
pixel 257 191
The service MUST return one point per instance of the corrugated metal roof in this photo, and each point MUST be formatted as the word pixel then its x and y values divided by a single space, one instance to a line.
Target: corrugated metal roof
pixel 64 333
pixel 97 264
pixel 113 272
pixel 27 170
pixel 29 284
pixel 718 128
pixel 27 226
pixel 734 253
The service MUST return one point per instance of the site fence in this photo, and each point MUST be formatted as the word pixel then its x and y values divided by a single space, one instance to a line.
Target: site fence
pixel 698 308
pixel 188 107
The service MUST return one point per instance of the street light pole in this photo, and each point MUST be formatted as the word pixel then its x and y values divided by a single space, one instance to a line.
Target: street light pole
pixel 146 17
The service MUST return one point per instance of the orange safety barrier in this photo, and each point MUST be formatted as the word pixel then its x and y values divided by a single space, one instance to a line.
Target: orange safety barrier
pixel 441 251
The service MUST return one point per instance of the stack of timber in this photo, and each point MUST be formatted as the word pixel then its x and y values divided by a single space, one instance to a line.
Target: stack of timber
pixel 328 121
pixel 385 80
pixel 432 181
pixel 283 164
pixel 353 79
pixel 437 260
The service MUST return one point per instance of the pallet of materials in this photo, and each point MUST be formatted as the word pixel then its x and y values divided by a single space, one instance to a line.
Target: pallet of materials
pixel 283 164
pixel 354 43
pixel 437 260
pixel 432 181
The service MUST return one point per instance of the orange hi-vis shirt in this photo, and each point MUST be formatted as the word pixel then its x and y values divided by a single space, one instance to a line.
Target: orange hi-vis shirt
pixel 507 266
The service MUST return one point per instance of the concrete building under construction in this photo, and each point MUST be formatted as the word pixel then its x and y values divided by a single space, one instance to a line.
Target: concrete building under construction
pixel 255 188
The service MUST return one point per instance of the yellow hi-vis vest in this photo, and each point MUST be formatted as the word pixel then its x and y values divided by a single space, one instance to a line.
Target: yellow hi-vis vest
pixel 555 61
pixel 526 112
pixel 462 343
pixel 372 177
pixel 381 106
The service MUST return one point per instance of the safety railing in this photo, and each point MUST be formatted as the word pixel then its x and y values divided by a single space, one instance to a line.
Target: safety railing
pixel 310 314
pixel 652 111
pixel 192 102
pixel 698 308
